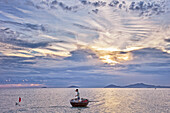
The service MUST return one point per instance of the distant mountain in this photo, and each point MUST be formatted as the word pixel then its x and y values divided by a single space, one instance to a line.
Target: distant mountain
pixel 112 86
pixel 140 85
pixel 137 85
pixel 44 87
pixel 73 87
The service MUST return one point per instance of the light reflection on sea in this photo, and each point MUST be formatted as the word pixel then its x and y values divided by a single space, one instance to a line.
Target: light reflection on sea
pixel 56 100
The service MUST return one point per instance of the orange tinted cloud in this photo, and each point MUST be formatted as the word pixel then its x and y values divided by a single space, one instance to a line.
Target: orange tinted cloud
pixel 20 85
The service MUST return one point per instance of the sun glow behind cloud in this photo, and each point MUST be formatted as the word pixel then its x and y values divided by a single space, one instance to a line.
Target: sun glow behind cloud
pixel 112 56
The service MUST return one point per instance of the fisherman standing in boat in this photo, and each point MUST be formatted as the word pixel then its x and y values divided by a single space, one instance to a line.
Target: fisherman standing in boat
pixel 77 102
pixel 77 94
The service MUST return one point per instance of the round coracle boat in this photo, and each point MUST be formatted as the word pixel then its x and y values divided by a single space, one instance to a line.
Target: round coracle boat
pixel 79 103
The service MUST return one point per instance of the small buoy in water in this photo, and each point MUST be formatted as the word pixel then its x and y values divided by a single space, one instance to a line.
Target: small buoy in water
pixel 17 103
pixel 19 99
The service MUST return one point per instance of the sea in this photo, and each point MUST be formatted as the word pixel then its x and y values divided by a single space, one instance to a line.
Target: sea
pixel 104 100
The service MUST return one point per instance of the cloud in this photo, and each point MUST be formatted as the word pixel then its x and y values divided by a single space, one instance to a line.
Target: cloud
pixel 23 43
pixel 149 61
pixel 95 11
pixel 10 11
pixel 25 25
pixel 85 27
pixel 20 85
pixel 81 55
pixel 167 40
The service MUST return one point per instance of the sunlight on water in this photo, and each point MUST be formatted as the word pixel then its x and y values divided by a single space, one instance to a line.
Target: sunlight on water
pixel 108 100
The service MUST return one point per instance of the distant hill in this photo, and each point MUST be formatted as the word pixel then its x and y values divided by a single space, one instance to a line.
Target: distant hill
pixel 140 85
pixel 73 87
pixel 137 85
pixel 44 87
pixel 112 86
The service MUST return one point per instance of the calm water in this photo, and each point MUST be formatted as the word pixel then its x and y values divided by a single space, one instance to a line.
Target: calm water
pixel 56 100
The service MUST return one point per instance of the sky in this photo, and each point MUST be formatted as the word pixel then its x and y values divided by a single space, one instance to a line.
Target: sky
pixel 88 43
